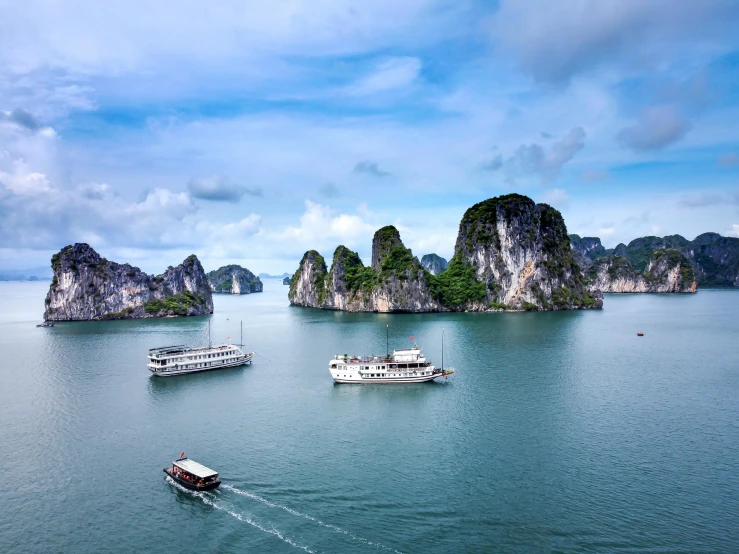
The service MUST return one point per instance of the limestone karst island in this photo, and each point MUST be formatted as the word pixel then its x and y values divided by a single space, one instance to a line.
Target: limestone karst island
pixel 511 254
pixel 86 286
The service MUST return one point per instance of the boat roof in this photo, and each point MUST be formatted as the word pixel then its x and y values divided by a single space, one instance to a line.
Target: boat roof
pixel 191 466
pixel 183 348
pixel 412 350
pixel 167 348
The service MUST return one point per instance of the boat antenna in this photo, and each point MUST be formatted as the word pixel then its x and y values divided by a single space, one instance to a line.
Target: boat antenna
pixel 387 341
pixel 241 340
pixel 209 343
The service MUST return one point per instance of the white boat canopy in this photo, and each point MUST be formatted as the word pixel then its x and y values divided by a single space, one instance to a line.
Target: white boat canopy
pixel 196 469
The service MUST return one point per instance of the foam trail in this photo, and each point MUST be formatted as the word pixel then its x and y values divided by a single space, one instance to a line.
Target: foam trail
pixel 241 517
pixel 335 528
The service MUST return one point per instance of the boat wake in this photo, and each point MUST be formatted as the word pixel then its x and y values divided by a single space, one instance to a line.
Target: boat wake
pixel 246 518
pixel 296 513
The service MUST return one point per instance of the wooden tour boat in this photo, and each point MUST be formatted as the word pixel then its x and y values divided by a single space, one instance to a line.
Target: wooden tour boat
pixel 192 475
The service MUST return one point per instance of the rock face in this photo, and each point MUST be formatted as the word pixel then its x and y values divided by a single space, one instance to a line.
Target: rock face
pixel 286 281
pixel 434 264
pixel 399 285
pixel 88 287
pixel 511 254
pixel 667 270
pixel 586 249
pixel 520 251
pixel 715 259
pixel 234 279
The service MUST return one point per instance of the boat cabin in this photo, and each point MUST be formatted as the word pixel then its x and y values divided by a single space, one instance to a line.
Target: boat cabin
pixel 192 475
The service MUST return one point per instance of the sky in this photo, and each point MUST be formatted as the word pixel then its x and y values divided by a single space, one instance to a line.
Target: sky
pixel 251 131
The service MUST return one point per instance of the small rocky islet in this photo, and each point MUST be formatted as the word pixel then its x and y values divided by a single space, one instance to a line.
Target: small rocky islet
pixel 86 286
pixel 234 279
pixel 510 254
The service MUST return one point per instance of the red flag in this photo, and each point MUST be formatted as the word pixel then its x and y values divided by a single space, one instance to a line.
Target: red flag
pixel 182 455
pixel 413 338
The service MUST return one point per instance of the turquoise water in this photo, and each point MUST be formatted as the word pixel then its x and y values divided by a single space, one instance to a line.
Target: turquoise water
pixel 560 432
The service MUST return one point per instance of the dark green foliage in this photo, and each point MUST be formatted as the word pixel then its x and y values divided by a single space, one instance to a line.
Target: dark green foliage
pixel 479 221
pixel 457 285
pixel 356 276
pixel 177 304
pixel 673 258
pixel 640 250
pixel 398 261
pixel 588 246
pixel 529 307
pixel 498 305
pixel 123 314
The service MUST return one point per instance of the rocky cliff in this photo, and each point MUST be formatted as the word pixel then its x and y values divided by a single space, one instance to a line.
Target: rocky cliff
pixel 234 279
pixel 520 253
pixel 399 284
pixel 714 259
pixel 88 287
pixel 434 264
pixel 667 270
pixel 511 254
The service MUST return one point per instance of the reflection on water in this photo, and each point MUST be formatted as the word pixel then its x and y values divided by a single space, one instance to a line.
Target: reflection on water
pixel 559 431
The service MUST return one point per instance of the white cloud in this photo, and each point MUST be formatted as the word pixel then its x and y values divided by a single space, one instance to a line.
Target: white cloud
pixel 733 231
pixel 557 198
pixel 321 227
pixel 556 41
pixel 657 127
pixel 534 159
pixel 391 74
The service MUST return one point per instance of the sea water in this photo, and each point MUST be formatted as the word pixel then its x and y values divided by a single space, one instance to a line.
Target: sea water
pixel 559 432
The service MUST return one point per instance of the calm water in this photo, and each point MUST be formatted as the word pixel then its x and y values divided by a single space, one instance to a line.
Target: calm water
pixel 559 432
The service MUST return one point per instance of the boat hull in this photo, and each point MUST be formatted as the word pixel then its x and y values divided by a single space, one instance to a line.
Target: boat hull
pixel 386 381
pixel 191 486
pixel 175 372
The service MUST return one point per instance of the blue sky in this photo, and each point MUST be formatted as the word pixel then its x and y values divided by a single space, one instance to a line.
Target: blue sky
pixel 249 132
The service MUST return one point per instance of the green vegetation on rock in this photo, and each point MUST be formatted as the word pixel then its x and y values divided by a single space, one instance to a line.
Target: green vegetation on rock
pixel 177 304
pixel 457 285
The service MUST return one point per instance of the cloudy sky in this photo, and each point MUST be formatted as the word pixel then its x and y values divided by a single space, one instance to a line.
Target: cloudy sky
pixel 250 131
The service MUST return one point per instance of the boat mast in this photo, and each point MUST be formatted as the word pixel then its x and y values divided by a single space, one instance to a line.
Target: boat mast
pixel 209 343
pixel 442 349
pixel 387 341
pixel 242 334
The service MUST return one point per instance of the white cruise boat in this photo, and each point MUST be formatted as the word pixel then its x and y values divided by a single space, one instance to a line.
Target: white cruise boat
pixel 178 360
pixel 403 366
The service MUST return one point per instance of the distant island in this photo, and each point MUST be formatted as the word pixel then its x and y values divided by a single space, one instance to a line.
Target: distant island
pixel 33 274
pixel 709 260
pixel 434 264
pixel 510 254
pixel 86 287
pixel 268 276
pixel 286 281
pixel 234 279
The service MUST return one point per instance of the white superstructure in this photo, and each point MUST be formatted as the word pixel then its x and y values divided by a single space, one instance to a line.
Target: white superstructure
pixel 178 360
pixel 403 366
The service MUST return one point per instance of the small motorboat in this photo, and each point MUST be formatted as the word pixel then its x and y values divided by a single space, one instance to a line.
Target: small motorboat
pixel 640 334
pixel 46 324
pixel 192 475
